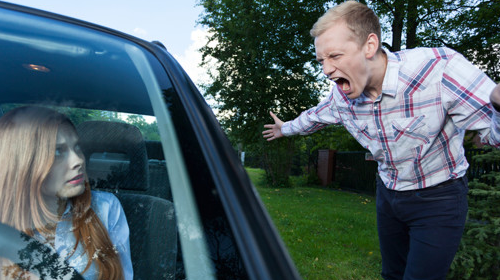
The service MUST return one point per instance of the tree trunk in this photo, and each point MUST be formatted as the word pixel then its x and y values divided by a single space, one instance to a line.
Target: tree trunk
pixel 412 24
pixel 397 24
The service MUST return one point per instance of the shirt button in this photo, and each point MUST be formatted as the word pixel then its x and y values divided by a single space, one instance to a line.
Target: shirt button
pixel 380 130
pixel 375 107
pixel 408 129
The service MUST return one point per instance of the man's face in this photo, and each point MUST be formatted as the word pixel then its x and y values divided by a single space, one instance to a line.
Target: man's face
pixel 66 177
pixel 343 60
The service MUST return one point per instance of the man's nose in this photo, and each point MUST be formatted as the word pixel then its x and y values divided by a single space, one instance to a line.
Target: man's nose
pixel 329 69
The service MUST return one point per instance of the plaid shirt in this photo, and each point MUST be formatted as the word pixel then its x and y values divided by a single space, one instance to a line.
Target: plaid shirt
pixel 415 128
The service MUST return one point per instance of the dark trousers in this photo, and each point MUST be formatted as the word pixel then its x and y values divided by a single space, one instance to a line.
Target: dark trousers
pixel 420 231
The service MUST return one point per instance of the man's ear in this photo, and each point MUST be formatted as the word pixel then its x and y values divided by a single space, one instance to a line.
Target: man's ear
pixel 371 45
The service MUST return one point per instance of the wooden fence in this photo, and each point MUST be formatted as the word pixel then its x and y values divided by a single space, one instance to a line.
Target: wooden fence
pixel 355 171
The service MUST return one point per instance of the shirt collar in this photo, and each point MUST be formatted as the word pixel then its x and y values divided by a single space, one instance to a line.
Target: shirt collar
pixel 68 208
pixel 390 83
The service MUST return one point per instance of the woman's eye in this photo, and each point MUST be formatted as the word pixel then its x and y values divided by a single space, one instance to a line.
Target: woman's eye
pixel 60 151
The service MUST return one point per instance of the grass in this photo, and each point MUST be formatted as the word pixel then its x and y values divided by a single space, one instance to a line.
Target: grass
pixel 329 234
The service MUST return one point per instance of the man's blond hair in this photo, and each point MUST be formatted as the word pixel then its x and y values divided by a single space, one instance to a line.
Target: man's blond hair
pixel 360 19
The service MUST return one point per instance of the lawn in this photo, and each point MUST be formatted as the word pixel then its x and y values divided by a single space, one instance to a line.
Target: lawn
pixel 330 234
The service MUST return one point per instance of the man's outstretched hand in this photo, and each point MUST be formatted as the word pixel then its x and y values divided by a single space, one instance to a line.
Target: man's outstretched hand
pixel 274 130
pixel 495 98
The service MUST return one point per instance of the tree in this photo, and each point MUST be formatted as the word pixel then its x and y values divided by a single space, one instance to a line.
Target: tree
pixel 264 56
pixel 264 62
pixel 475 32
pixel 472 27
pixel 149 130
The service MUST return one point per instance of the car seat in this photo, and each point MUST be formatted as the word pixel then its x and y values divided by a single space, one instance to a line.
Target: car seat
pixel 121 166
pixel 116 156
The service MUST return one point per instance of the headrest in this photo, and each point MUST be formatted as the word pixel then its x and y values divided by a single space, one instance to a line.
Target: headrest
pixel 130 171
pixel 155 150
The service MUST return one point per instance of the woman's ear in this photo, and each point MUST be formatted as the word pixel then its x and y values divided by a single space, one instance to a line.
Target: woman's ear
pixel 371 45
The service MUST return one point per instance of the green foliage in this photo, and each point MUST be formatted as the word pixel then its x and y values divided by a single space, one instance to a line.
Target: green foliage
pixel 278 156
pixel 264 62
pixel 469 26
pixel 474 30
pixel 479 253
pixel 334 137
pixel 263 57
pixel 148 130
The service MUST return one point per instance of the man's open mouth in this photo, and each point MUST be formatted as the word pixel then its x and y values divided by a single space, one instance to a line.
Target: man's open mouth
pixel 343 84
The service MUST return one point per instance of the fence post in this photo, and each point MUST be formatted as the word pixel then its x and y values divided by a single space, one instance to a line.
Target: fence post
pixel 325 166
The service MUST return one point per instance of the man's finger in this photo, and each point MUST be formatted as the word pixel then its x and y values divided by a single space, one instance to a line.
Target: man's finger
pixel 275 118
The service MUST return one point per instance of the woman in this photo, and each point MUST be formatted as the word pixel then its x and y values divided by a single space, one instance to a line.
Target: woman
pixel 44 193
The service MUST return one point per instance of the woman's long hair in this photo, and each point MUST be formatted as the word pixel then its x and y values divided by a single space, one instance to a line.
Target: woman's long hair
pixel 28 138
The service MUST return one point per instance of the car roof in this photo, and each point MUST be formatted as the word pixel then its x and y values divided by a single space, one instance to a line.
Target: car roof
pixel 77 53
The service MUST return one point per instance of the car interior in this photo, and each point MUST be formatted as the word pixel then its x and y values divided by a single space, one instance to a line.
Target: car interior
pixel 70 74
pixel 150 218
pixel 118 161
pixel 98 80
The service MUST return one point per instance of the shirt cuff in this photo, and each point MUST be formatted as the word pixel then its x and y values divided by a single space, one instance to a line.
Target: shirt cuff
pixel 286 129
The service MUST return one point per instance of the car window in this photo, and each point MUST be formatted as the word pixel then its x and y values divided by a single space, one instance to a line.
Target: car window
pixel 137 143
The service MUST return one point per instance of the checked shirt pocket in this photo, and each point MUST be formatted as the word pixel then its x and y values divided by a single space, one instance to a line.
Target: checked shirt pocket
pixel 361 131
pixel 410 132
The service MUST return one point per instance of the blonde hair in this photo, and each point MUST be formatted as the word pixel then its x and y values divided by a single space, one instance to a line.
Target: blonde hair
pixel 360 19
pixel 28 138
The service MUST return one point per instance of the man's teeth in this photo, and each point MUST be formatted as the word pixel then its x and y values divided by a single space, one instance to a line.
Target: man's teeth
pixel 346 86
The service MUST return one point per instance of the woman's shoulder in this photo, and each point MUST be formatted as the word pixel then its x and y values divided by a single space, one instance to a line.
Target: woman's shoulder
pixel 103 196
pixel 104 202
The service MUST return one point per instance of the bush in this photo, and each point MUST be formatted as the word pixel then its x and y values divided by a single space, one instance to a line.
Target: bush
pixel 479 253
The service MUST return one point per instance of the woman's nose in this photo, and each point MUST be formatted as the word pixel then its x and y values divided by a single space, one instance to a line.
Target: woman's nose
pixel 77 159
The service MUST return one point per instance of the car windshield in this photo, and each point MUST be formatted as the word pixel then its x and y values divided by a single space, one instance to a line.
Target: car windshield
pixel 112 134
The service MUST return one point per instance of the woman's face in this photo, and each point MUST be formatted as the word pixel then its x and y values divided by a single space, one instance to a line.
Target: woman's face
pixel 66 178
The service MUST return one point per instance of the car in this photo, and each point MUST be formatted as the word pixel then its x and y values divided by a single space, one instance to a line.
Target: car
pixel 148 137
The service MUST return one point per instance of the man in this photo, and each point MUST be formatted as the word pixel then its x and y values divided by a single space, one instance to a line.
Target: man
pixel 411 110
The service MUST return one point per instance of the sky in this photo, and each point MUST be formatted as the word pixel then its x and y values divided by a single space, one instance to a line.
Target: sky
pixel 172 22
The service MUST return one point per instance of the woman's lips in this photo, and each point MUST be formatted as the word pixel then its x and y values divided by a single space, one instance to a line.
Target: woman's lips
pixel 77 179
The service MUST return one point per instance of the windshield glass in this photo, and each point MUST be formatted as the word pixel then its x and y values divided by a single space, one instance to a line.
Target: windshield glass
pixel 93 167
